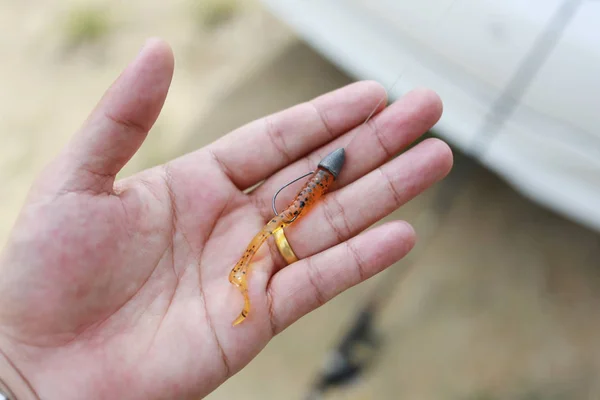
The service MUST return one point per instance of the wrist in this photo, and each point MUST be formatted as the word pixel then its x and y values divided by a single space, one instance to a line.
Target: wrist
pixel 13 384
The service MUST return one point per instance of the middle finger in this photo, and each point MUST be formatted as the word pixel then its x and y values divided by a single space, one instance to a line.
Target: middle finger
pixel 367 146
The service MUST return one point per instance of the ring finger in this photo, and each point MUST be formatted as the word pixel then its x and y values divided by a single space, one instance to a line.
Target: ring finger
pixel 347 212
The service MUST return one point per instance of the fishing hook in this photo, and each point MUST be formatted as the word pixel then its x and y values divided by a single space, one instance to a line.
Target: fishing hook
pixel 283 187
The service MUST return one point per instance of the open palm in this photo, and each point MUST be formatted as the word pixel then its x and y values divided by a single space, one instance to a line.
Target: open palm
pixel 120 289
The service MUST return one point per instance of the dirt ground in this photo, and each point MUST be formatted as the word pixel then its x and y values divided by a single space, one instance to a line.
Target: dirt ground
pixel 497 301
pixel 59 57
pixel 500 303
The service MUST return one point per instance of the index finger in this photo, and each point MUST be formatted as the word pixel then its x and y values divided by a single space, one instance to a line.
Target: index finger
pixel 256 150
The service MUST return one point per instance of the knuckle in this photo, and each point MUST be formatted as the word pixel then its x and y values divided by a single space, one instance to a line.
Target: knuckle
pixel 337 218
pixel 315 279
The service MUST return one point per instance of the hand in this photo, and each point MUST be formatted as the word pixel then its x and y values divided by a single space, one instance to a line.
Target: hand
pixel 119 290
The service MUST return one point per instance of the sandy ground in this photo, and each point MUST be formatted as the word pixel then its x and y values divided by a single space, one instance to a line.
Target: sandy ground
pixel 54 73
pixel 498 300
pixel 503 301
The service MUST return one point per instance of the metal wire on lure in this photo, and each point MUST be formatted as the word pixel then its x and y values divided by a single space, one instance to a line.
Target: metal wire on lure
pixel 326 173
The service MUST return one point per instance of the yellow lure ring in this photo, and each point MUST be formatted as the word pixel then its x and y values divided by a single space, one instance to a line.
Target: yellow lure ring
pixel 284 247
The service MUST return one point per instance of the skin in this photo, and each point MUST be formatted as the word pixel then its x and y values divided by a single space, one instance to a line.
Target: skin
pixel 119 289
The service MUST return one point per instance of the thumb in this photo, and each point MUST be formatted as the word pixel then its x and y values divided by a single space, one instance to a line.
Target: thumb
pixel 117 127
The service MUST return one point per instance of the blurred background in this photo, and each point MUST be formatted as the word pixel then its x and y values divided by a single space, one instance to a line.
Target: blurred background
pixel 500 299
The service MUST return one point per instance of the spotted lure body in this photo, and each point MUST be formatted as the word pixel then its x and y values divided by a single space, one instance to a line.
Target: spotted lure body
pixel 326 173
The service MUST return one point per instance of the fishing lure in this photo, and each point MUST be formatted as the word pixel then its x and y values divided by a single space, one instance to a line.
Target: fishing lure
pixel 326 173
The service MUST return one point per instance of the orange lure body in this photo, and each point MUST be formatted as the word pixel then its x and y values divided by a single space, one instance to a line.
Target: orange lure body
pixel 310 193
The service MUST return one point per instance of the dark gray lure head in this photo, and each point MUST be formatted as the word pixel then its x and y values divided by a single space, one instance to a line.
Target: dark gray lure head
pixel 334 161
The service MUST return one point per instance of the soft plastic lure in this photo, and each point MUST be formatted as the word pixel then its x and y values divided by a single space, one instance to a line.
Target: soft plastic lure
pixel 326 173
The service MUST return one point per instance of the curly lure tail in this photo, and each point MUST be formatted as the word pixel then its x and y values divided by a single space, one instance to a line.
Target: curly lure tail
pixel 326 173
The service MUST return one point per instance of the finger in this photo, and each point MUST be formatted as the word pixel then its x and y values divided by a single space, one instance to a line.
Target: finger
pixel 262 147
pixel 346 212
pixel 367 148
pixel 309 283
pixel 120 122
